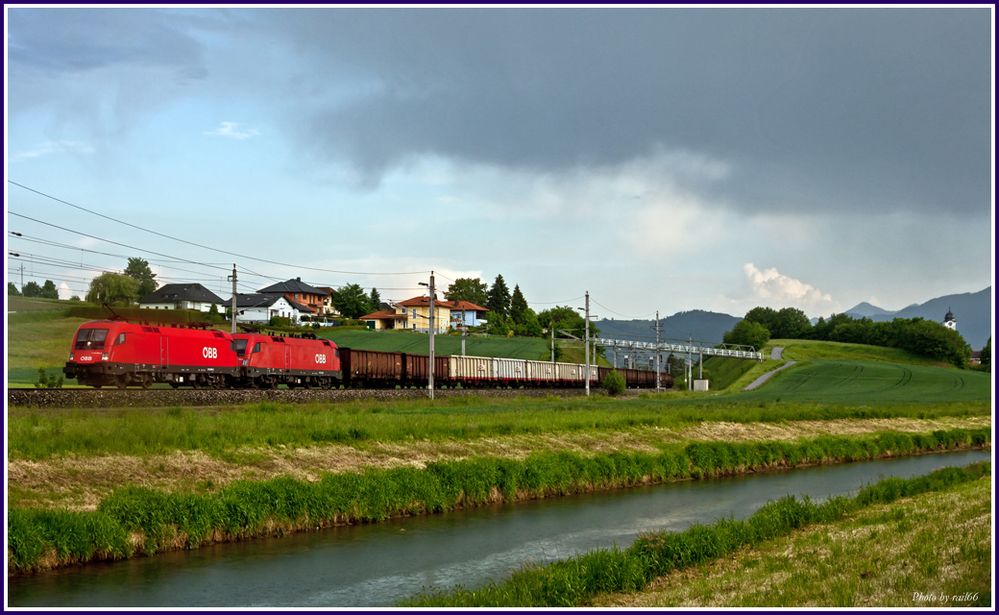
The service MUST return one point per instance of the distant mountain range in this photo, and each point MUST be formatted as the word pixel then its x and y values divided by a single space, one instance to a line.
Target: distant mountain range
pixel 972 311
pixel 699 325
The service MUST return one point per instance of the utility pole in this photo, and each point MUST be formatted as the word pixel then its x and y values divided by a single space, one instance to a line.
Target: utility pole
pixel 233 278
pixel 22 277
pixel 587 343
pixel 433 326
pixel 553 339
pixel 658 341
pixel 464 334
pixel 690 365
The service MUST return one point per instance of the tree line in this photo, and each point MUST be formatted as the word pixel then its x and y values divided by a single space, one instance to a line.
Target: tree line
pixel 915 335
pixel 509 313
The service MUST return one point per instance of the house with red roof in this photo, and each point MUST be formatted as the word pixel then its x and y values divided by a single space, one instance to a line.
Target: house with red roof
pixel 414 314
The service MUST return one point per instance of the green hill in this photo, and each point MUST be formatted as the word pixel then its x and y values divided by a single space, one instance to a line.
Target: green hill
pixel 805 350
pixel 411 342
pixel 871 381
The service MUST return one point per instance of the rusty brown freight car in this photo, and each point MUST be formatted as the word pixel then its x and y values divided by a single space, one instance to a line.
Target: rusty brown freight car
pixel 416 370
pixel 372 368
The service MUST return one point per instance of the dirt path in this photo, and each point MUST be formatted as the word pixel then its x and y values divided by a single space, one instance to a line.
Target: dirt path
pixel 776 353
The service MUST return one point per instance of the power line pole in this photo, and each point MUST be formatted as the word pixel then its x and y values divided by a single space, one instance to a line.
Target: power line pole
pixel 430 365
pixel 658 341
pixel 233 278
pixel 587 343
pixel 553 339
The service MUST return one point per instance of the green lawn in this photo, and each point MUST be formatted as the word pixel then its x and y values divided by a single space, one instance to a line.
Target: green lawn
pixel 416 343
pixel 38 338
pixel 873 381
pixel 805 350
pixel 723 371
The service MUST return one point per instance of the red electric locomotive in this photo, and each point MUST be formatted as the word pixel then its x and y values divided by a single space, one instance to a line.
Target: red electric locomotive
pixel 108 352
pixel 267 361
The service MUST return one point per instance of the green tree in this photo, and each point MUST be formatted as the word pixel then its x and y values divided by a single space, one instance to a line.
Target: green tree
pixel 351 301
pixel 374 299
pixel 113 289
pixel 748 333
pixel 31 289
pixel 614 383
pixel 49 290
pixel 791 323
pixel 213 314
pixel 12 289
pixel 75 298
pixel 138 269
pixel 529 325
pixel 563 318
pixel 518 306
pixel 473 290
pixel 498 301
pixel 764 316
pixel 987 354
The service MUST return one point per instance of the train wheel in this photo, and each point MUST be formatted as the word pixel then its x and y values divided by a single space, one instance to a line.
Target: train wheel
pixel 121 381
pixel 174 384
pixel 146 381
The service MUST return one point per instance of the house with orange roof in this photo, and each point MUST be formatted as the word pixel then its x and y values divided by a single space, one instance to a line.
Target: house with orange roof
pixel 414 314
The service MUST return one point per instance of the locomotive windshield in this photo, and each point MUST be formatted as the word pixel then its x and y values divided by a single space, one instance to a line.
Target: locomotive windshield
pixel 239 347
pixel 91 338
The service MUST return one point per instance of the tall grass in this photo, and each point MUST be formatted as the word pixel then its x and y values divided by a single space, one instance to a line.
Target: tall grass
pixel 574 582
pixel 142 520
pixel 41 433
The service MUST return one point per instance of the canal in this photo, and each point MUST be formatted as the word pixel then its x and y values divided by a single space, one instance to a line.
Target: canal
pixel 380 564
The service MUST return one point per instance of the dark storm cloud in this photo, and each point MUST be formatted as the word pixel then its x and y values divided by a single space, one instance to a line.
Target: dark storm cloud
pixel 71 40
pixel 853 109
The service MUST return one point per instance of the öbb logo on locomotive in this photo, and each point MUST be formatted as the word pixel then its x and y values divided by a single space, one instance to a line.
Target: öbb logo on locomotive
pixel 141 355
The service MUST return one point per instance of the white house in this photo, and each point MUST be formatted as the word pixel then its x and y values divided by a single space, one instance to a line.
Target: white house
pixel 260 307
pixel 182 297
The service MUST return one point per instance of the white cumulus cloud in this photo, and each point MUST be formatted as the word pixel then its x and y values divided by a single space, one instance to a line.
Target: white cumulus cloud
pixel 773 287
pixel 233 130
pixel 52 147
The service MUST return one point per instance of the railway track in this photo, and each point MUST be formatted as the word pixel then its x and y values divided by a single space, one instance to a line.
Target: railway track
pixel 149 398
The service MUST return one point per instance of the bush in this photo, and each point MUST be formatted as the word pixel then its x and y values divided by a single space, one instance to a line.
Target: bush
pixel 47 382
pixel 614 383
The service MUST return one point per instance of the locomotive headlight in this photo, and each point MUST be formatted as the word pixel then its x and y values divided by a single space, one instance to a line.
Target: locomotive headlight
pixel 70 357
pixel 104 356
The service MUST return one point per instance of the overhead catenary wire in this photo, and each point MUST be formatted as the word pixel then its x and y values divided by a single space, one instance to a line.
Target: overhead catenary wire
pixel 205 247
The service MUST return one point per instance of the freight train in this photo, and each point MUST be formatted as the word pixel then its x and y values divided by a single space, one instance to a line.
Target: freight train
pixel 122 354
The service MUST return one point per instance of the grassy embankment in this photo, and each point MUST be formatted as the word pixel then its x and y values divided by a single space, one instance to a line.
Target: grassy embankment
pixel 735 374
pixel 135 520
pixel 902 554
pixel 888 564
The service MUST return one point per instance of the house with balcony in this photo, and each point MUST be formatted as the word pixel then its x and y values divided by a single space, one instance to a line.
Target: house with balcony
pixel 467 314
pixel 296 291
pixel 414 314
pixel 261 307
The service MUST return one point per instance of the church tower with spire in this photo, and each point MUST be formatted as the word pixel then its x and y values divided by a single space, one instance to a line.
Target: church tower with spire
pixel 949 321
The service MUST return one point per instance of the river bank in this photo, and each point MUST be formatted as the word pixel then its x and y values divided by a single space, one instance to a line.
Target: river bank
pixel 138 520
